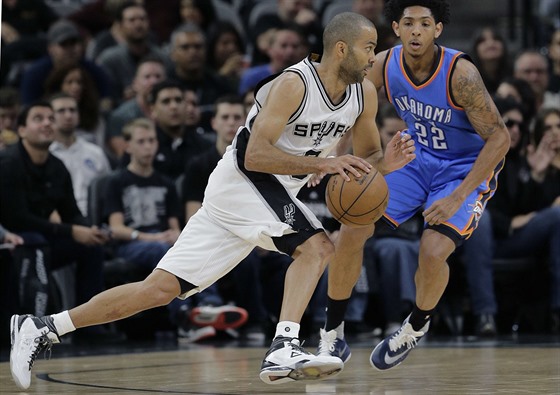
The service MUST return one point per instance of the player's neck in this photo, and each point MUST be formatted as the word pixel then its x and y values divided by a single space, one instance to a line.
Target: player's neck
pixel 421 65
pixel 334 86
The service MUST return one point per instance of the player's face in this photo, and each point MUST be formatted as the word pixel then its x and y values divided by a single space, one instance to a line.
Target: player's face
pixel 38 131
pixel 417 30
pixel 360 58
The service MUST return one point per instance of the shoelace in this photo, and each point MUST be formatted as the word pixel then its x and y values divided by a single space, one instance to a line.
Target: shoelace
pixel 327 345
pixel 400 339
pixel 43 343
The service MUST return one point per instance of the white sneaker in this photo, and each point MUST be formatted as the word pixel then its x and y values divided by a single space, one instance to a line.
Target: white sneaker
pixel 331 343
pixel 287 361
pixel 29 336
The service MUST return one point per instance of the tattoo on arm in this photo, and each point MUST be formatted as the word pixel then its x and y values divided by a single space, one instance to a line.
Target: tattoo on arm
pixel 471 94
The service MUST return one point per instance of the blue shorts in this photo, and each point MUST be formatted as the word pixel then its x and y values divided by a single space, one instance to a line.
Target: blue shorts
pixel 427 179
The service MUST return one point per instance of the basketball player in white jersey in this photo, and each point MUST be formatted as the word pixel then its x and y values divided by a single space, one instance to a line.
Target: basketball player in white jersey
pixel 250 201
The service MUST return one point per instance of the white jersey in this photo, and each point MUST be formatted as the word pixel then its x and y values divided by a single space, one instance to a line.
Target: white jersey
pixel 243 209
pixel 318 124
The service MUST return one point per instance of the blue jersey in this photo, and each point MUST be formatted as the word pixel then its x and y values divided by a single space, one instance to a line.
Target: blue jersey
pixel 436 123
pixel 446 146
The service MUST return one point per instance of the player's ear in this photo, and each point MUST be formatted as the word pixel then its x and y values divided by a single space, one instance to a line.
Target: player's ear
pixel 395 27
pixel 341 48
pixel 439 29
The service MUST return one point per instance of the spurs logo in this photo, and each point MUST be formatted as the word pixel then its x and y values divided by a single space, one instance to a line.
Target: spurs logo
pixel 289 211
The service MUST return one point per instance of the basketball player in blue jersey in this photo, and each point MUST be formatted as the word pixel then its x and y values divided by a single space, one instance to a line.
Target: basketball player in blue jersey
pixel 461 142
pixel 250 201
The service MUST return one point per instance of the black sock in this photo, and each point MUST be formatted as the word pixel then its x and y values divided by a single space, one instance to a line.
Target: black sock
pixel 335 312
pixel 418 318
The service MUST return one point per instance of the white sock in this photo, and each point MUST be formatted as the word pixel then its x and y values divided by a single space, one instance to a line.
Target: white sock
pixel 63 323
pixel 287 329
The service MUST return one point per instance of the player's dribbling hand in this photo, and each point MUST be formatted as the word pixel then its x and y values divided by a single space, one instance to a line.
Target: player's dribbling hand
pixel 346 164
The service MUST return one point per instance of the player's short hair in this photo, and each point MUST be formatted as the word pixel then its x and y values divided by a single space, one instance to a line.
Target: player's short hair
pixel 346 27
pixel 129 128
pixel 394 9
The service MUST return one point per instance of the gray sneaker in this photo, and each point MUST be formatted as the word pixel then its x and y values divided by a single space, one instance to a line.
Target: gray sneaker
pixel 29 336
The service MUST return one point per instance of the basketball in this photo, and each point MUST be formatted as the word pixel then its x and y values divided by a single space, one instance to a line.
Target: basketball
pixel 358 202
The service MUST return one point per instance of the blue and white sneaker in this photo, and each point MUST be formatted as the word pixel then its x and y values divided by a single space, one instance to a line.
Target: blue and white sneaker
pixel 333 344
pixel 287 361
pixel 395 348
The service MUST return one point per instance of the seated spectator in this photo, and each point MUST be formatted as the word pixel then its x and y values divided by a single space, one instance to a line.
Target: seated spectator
pixel 150 71
pixel 522 92
pixel 7 237
pixel 226 53
pixel 554 61
pixel 526 207
pixel 76 82
pixel 85 161
pixel 65 49
pixel 200 12
pixel 37 202
pixel 177 143
pixel 532 66
pixel 490 54
pixel 298 15
pixel 190 69
pixel 142 204
pixel 107 37
pixel 286 48
pixel 97 15
pixel 120 62
pixel 9 108
pixel 24 24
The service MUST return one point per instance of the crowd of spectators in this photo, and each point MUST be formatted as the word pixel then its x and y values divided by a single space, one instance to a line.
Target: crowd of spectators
pixel 82 82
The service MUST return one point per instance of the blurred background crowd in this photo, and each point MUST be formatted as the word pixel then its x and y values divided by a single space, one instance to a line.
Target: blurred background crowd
pixel 146 95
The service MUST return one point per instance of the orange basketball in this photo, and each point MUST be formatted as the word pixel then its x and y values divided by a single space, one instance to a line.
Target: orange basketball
pixel 358 202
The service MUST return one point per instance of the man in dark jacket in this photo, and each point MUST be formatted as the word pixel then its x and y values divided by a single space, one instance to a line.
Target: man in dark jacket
pixel 37 202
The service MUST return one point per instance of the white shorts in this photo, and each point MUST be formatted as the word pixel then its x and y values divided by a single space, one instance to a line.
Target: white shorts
pixel 241 210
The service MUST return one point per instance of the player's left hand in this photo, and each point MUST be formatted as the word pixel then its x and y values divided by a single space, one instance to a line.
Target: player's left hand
pixel 399 152
pixel 315 179
pixel 441 210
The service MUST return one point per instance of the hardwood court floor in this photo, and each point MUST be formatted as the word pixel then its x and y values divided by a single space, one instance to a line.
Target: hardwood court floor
pixel 453 367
